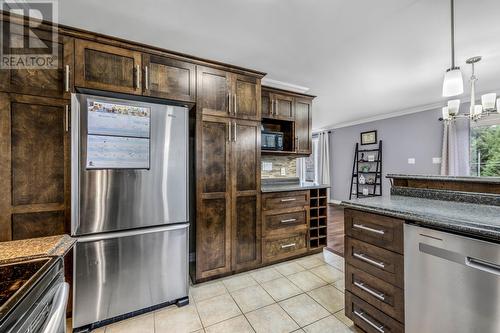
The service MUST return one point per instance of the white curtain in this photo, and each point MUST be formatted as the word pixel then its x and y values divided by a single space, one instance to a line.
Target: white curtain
pixel 323 158
pixel 319 160
pixel 455 151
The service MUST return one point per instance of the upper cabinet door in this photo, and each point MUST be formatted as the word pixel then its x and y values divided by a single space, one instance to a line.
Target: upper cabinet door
pixel 246 217
pixel 266 104
pixel 55 82
pixel 303 125
pixel 246 97
pixel 213 91
pixel 169 78
pixel 104 67
pixel 282 107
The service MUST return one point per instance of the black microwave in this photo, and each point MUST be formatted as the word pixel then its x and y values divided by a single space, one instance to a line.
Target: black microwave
pixel 272 140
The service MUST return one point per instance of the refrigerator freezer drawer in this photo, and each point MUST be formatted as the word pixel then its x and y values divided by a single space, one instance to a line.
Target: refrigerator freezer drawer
pixel 122 272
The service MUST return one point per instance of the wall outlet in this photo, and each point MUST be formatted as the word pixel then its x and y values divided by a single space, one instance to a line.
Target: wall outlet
pixel 267 166
pixel 411 160
pixel 283 171
pixel 436 160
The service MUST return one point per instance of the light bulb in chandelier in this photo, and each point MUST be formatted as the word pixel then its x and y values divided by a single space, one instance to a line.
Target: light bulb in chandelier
pixel 488 101
pixel 453 83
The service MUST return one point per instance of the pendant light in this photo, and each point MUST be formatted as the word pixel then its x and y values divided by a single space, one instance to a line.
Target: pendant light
pixel 453 83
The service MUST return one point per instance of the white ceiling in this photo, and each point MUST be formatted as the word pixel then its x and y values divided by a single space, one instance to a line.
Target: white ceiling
pixel 362 58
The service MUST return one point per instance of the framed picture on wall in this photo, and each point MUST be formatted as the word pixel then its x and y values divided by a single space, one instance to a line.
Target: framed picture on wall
pixel 369 138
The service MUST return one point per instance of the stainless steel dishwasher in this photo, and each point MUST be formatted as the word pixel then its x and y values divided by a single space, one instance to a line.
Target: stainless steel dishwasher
pixel 452 283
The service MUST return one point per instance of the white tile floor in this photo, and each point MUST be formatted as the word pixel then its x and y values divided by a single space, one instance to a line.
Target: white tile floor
pixel 303 295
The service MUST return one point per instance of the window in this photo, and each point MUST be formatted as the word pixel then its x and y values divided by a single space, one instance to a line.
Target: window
pixel 485 146
pixel 312 162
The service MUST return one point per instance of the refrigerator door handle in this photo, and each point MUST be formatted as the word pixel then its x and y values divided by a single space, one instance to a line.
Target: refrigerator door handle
pixel 149 230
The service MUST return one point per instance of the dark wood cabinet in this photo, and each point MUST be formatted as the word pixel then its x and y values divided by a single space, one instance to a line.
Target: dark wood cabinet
pixel 246 95
pixel 246 220
pixel 213 215
pixel 34 169
pixel 285 217
pixel 291 113
pixel 374 275
pixel 282 106
pixel 220 93
pixel 105 67
pixel 169 78
pixel 213 91
pixel 57 82
pixel 303 126
pixel 228 228
pixel 265 103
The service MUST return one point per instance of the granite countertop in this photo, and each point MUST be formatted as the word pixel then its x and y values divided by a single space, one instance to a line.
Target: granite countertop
pixel 476 220
pixel 35 248
pixel 487 180
pixel 287 184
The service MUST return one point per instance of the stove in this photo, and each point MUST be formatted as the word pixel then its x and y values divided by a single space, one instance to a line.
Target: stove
pixel 33 296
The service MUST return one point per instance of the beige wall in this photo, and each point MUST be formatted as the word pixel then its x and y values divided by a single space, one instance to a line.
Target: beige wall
pixel 287 162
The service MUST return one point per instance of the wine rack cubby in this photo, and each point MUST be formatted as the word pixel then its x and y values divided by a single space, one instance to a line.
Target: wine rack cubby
pixel 318 213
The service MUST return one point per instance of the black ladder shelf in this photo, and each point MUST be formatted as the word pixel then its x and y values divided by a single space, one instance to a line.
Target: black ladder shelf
pixel 369 170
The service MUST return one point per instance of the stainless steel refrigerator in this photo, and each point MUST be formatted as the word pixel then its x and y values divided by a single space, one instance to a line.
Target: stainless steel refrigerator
pixel 129 202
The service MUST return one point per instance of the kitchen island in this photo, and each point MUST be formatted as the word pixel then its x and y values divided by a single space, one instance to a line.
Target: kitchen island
pixel 421 223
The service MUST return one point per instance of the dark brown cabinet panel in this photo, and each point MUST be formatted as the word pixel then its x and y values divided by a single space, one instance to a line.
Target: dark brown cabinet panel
pixel 169 78
pixel 369 318
pixel 220 93
pixel 35 167
pixel 383 231
pixel 105 67
pixel 246 97
pixel 228 168
pixel 282 107
pixel 213 216
pixel 382 295
pixel 265 103
pixel 55 82
pixel 246 194
pixel 303 126
pixel 213 91
pixel 284 246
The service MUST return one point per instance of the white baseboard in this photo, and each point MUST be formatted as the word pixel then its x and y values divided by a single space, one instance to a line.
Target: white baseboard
pixel 336 202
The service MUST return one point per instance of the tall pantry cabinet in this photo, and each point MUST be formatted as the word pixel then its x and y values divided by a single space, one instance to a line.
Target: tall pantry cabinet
pixel 228 224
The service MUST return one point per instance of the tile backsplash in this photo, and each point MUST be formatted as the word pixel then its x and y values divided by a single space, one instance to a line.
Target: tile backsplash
pixel 278 162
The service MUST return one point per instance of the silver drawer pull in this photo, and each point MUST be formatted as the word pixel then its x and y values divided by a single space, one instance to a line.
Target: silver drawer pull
pixel 288 199
pixel 287 245
pixel 379 328
pixel 288 220
pixel 368 260
pixel 372 292
pixel 362 227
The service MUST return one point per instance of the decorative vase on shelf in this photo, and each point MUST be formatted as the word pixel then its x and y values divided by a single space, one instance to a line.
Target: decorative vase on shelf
pixel 362 179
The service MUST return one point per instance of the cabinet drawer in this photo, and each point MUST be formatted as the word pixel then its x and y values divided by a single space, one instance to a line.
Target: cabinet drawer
pixel 380 294
pixel 379 262
pixel 279 222
pixel 277 248
pixel 368 317
pixel 285 200
pixel 383 231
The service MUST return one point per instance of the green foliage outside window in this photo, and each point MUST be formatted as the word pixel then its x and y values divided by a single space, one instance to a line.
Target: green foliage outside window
pixel 485 150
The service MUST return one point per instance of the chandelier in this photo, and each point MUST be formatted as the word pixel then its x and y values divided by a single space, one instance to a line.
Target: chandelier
pixel 453 86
